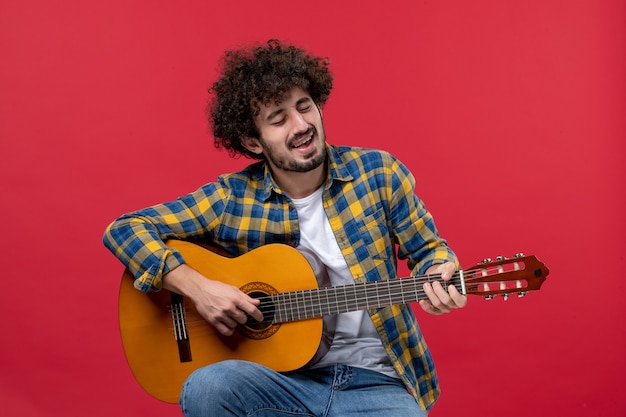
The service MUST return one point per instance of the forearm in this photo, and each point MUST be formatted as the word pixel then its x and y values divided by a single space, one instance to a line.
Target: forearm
pixel 138 239
pixel 142 250
pixel 183 280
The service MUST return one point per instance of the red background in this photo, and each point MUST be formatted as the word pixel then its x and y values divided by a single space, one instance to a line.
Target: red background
pixel 511 115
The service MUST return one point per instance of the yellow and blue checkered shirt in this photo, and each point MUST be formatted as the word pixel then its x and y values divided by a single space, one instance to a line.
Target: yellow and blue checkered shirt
pixel 372 208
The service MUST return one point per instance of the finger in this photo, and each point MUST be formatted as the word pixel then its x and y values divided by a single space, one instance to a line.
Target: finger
pixel 254 301
pixel 428 307
pixel 223 329
pixel 257 314
pixel 224 325
pixel 441 298
pixel 245 310
pixel 459 299
pixel 447 271
pixel 435 293
pixel 237 315
pixel 250 307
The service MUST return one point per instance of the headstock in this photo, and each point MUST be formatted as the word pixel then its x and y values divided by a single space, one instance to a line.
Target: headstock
pixel 505 276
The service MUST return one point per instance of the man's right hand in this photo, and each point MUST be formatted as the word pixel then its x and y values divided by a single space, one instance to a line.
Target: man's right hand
pixel 222 305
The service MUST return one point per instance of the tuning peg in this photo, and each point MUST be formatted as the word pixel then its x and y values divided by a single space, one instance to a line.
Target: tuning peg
pixel 522 294
pixel 505 296
pixel 486 260
pixel 500 258
pixel 490 297
pixel 518 255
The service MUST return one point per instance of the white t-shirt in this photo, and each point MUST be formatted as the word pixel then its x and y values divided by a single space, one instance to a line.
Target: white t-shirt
pixel 356 342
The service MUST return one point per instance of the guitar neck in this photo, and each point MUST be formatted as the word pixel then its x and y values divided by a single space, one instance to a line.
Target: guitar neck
pixel 325 301
pixel 504 276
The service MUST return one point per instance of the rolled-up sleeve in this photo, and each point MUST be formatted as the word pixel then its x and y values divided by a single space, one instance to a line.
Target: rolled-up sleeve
pixel 138 239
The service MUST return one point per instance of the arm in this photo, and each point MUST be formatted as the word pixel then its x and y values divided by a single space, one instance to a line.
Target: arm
pixel 138 240
pixel 420 242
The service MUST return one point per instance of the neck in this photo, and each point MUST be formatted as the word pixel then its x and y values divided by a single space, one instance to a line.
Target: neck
pixel 300 184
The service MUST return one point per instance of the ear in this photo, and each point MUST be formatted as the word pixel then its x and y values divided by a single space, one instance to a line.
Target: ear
pixel 252 144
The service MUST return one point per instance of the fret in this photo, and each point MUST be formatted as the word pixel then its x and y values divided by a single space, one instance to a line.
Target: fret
pixel 312 304
pixel 396 294
pixel 319 302
pixel 279 315
pixel 403 300
pixel 389 293
pixel 289 307
pixel 342 292
pixel 377 296
pixel 275 299
pixel 303 305
pixel 367 301
pixel 360 294
pixel 296 305
pixel 353 303
pixel 324 304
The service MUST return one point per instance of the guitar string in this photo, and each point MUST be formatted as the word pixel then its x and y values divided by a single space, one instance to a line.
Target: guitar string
pixel 307 304
pixel 362 294
pixel 329 299
pixel 292 308
pixel 270 298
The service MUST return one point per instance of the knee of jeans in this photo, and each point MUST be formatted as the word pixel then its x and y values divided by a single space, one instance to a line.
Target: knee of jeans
pixel 214 386
pixel 211 378
pixel 205 388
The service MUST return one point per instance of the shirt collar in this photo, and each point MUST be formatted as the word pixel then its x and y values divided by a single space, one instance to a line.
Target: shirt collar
pixel 337 171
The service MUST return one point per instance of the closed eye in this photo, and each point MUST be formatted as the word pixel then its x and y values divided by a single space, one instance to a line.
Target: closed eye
pixel 304 109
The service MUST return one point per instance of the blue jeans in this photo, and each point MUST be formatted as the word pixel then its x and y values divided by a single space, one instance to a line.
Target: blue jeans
pixel 239 388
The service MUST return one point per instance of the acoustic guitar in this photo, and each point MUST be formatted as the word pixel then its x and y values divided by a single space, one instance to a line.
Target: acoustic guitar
pixel 165 339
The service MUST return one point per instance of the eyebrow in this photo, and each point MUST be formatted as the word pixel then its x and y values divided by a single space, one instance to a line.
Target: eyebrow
pixel 275 113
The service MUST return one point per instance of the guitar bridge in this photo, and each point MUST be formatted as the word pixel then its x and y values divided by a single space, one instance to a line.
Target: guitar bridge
pixel 179 320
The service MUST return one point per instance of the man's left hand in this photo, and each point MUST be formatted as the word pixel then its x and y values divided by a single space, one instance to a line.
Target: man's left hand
pixel 439 300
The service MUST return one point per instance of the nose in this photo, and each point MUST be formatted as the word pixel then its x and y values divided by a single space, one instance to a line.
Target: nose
pixel 299 122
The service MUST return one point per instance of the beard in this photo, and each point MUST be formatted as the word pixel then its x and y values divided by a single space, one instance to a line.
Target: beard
pixel 313 160
pixel 298 166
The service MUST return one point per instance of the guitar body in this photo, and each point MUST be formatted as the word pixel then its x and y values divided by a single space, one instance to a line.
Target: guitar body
pixel 148 330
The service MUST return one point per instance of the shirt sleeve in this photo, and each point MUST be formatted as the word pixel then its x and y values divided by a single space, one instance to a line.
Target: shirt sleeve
pixel 418 238
pixel 138 239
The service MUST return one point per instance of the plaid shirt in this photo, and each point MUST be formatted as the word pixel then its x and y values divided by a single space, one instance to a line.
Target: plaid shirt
pixel 370 202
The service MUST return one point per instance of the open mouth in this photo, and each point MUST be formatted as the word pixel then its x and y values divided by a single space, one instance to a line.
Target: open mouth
pixel 303 141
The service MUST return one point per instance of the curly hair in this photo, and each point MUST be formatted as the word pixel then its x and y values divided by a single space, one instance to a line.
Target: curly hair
pixel 261 74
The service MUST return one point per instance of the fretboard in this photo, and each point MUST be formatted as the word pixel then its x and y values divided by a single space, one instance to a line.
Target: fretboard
pixel 325 301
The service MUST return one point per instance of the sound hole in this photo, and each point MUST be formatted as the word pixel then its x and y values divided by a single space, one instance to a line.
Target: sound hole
pixel 260 330
pixel 266 307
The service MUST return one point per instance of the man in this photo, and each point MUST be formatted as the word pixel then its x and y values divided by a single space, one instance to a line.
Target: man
pixel 346 208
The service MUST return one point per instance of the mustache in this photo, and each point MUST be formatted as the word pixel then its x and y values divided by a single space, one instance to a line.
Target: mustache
pixel 300 135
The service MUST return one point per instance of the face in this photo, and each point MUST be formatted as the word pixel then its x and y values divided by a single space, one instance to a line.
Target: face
pixel 292 134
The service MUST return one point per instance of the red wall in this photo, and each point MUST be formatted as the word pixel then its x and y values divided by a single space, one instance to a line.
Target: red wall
pixel 511 115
